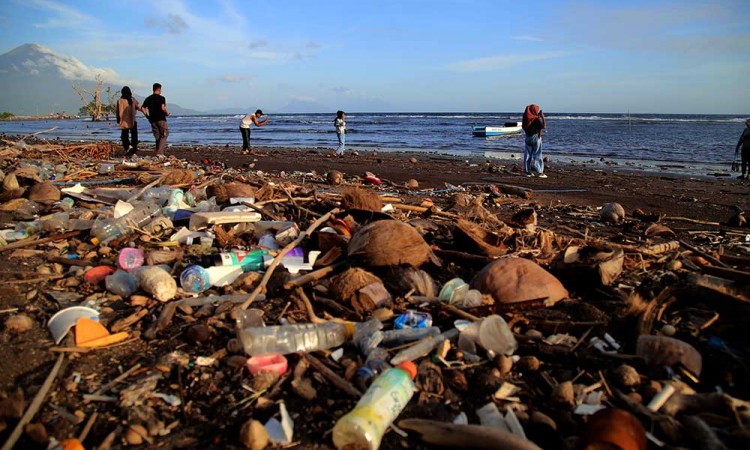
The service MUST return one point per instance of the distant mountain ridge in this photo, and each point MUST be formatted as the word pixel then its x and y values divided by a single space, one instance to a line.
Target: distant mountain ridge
pixel 36 80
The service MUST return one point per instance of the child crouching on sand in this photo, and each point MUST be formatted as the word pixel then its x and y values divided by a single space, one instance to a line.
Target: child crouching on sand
pixel 340 124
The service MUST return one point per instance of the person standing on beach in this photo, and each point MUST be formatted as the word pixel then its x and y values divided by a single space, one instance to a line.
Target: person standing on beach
pixel 340 124
pixel 126 116
pixel 245 124
pixel 155 108
pixel 533 124
pixel 744 144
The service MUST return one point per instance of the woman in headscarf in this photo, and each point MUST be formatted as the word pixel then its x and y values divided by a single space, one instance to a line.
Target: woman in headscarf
pixel 744 144
pixel 533 124
pixel 127 106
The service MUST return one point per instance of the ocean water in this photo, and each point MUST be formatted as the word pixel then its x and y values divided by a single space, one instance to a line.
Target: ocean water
pixel 679 140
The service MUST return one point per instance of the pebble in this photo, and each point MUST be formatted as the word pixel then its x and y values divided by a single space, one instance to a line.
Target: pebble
pixel 37 433
pixel 504 364
pixel 528 364
pixel 668 330
pixel 253 435
pixel 135 434
pixel 18 324
pixel 564 394
pixel 674 265
pixel 198 334
pixel 413 160
pixel 236 361
pixel 627 376
pixel 31 294
pixel 105 251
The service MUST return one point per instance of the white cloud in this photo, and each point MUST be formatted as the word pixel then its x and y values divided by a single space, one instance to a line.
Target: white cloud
pixel 499 62
pixel 63 16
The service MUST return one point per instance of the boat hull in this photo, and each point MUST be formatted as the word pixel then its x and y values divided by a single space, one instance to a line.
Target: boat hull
pixel 484 131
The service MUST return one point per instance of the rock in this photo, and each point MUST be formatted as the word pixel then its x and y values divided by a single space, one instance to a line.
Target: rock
pixel 13 407
pixel 564 394
pixel 253 435
pixel 674 265
pixel 413 160
pixel 237 361
pixel 518 280
pixel 412 184
pixel 37 433
pixel 626 376
pixel 660 351
pixel 504 363
pixel 198 334
pixel 18 324
pixel 612 213
pixel 46 193
pixel 304 388
pixel 668 330
pixel 135 434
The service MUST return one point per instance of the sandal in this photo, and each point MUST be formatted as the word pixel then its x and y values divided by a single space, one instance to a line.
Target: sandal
pixel 245 152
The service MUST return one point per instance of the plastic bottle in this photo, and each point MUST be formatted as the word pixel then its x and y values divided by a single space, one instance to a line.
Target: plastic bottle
pixel 375 364
pixel 252 261
pixel 176 198
pixel 121 283
pixel 393 338
pixel 194 279
pixel 413 319
pixel 364 426
pixel 456 292
pixel 286 339
pixel 112 229
pixel 130 258
pixel 423 347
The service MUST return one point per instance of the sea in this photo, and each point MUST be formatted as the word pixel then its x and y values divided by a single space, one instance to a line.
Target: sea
pixel 667 142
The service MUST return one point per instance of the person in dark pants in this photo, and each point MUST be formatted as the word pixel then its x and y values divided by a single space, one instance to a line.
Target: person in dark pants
pixel 744 145
pixel 156 105
pixel 245 124
pixel 127 107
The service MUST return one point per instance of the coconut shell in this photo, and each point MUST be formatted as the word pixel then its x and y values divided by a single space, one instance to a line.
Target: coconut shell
pixel 389 243
pixel 479 240
pixel 178 176
pixel 357 198
pixel 44 193
pixel 613 212
pixel 223 192
pixel 346 285
pixel 513 281
pixel 335 177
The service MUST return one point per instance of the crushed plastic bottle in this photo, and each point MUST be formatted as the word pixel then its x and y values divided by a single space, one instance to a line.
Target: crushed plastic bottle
pixel 394 338
pixel 364 426
pixel 423 347
pixel 111 229
pixel 286 339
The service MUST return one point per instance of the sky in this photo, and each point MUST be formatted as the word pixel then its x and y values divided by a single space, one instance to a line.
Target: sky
pixel 652 56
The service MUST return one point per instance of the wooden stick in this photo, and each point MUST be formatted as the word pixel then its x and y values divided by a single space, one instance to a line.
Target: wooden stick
pixel 688 220
pixel 35 280
pixel 283 252
pixel 150 185
pixel 88 426
pixel 421 209
pixel 515 190
pixel 332 376
pixel 111 384
pixel 35 405
pixel 308 305
pixel 312 276
pixel 31 241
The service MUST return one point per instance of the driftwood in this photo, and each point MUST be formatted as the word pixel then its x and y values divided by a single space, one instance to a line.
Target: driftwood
pixel 522 192
pixel 32 241
pixel 466 436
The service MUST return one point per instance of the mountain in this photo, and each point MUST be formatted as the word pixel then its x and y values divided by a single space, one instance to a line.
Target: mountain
pixel 36 80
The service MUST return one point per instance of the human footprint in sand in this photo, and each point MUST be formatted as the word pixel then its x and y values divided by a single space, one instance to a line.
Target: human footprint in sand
pixel 247 121
pixel 743 145
pixel 533 124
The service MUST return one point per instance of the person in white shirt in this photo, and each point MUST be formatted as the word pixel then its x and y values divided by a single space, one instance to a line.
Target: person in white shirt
pixel 248 120
pixel 340 124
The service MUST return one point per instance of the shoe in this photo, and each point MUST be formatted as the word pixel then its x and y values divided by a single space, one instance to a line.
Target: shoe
pixel 530 175
pixel 541 175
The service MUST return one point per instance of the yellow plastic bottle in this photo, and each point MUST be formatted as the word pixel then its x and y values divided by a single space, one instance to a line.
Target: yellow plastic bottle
pixel 363 427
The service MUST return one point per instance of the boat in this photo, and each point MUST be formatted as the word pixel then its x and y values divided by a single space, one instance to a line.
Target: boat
pixel 507 128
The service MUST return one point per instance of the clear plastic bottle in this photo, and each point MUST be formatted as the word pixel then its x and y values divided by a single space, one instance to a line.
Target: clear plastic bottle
pixel 375 364
pixel 286 339
pixel 251 261
pixel 121 283
pixel 394 338
pixel 364 426
pixel 176 197
pixel 112 229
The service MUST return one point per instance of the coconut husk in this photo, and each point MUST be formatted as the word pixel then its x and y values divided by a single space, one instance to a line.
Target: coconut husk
pixel 223 192
pixel 589 266
pixel 335 177
pixel 356 198
pixel 346 285
pixel 512 282
pixel 404 279
pixel 178 176
pixel 46 193
pixel 478 240
pixel 389 243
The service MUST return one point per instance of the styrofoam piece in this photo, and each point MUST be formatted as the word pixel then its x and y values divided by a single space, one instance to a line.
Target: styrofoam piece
pixel 65 319
pixel 281 432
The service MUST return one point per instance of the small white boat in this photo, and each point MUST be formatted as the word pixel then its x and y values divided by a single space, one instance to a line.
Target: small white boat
pixel 507 128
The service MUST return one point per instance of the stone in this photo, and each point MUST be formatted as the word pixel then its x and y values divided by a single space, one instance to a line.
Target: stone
pixel 564 394
pixel 253 435
pixel 18 324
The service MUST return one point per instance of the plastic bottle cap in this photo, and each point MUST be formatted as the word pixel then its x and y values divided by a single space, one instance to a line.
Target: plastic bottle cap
pixel 409 367
pixel 276 364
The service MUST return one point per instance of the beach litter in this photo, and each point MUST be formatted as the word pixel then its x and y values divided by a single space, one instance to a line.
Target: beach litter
pixel 192 306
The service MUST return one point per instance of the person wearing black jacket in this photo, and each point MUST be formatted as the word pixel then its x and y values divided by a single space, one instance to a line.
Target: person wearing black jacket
pixel 744 144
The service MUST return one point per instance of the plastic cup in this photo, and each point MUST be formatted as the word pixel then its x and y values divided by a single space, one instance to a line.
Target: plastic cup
pixel 496 336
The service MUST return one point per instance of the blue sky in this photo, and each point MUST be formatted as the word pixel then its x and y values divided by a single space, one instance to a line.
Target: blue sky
pixel 409 55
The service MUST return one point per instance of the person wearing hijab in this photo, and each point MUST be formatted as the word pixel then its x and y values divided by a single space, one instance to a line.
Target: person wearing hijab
pixel 744 144
pixel 127 106
pixel 533 124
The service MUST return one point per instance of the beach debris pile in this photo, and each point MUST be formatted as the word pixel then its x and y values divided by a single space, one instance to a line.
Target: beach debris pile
pixel 166 303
